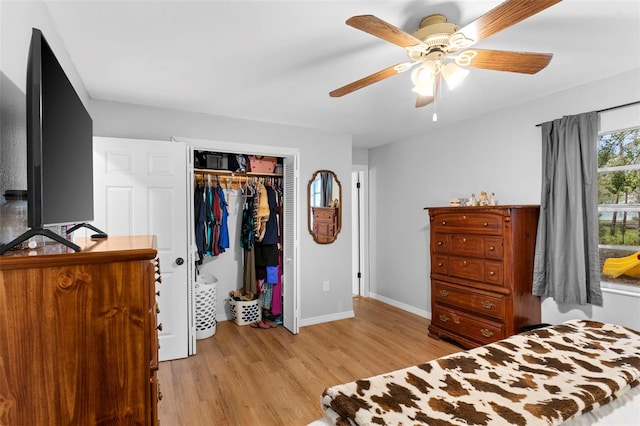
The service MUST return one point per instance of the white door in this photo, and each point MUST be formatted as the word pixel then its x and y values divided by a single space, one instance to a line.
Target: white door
pixel 360 227
pixel 290 295
pixel 140 187
pixel 356 255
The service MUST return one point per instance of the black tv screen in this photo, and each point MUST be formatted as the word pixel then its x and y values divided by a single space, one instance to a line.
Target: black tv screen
pixel 59 143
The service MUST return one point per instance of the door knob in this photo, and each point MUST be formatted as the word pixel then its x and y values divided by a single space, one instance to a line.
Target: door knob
pixel 179 261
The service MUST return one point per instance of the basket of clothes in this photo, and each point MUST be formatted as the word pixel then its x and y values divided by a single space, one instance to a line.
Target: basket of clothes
pixel 244 311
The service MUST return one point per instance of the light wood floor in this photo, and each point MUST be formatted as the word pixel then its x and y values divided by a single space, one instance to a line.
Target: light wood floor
pixel 245 376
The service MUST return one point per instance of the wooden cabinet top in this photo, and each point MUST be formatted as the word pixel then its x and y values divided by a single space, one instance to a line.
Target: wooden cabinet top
pixel 111 249
pixel 480 209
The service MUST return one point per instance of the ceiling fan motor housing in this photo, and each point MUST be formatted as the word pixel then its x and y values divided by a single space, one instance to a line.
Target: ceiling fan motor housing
pixel 434 31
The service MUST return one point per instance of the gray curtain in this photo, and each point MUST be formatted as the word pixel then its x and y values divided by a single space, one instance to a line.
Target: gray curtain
pixel 326 179
pixel 567 266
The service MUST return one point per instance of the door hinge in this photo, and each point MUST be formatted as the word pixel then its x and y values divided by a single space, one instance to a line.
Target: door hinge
pixel 358 185
pixel 359 274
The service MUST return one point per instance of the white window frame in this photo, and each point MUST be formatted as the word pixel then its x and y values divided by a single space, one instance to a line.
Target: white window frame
pixel 613 121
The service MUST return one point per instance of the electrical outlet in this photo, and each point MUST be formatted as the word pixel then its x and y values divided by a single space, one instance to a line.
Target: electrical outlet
pixel 325 285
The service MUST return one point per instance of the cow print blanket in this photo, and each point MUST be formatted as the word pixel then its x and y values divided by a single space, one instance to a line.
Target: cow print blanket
pixel 542 377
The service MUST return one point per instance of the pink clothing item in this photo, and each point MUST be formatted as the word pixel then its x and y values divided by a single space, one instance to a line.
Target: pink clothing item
pixel 276 300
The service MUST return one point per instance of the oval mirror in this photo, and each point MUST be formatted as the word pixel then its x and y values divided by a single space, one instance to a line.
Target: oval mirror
pixel 324 199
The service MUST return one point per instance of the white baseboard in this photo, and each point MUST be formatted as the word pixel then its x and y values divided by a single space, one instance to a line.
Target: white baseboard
pixel 403 306
pixel 327 318
pixel 349 314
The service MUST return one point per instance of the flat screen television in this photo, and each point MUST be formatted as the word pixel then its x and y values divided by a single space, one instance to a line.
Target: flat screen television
pixel 59 149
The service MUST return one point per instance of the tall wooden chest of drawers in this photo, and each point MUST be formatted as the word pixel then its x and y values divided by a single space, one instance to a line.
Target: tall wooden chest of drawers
pixel 482 272
pixel 325 223
pixel 79 344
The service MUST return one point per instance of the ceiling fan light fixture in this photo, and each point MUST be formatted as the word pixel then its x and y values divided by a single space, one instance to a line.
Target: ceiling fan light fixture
pixel 423 77
pixel 424 73
pixel 454 75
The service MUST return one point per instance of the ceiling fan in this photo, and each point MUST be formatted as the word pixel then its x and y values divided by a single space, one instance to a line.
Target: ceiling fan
pixel 442 49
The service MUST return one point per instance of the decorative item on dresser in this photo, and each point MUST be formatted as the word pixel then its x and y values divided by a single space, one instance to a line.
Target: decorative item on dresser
pixel 79 339
pixel 482 272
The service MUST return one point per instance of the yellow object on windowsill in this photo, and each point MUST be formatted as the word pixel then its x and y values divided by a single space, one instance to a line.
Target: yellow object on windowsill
pixel 628 265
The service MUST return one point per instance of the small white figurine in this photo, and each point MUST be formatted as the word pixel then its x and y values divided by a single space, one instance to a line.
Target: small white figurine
pixel 492 199
pixel 483 199
pixel 472 200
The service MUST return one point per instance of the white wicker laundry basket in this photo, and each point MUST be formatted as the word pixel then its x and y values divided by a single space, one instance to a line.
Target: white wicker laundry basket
pixel 206 286
pixel 245 312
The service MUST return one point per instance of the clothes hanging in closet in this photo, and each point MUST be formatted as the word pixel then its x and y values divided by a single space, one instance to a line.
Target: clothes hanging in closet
pixel 210 215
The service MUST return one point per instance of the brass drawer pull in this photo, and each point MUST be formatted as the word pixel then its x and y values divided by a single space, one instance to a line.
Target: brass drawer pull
pixel 464 240
pixel 492 248
pixel 486 304
pixel 444 318
pixel 444 293
pixel 485 224
pixel 464 217
pixel 492 273
pixel 440 264
pixel 464 263
pixel 444 222
pixel 486 333
pixel 439 243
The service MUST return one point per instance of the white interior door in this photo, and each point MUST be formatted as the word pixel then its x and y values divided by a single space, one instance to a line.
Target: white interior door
pixel 356 254
pixel 290 295
pixel 140 187
pixel 360 230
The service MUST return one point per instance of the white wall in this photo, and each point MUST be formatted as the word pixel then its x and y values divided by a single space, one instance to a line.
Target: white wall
pixel 318 150
pixel 498 152
pixel 17 18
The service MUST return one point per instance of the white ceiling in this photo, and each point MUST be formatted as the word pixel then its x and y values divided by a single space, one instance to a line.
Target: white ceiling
pixel 277 61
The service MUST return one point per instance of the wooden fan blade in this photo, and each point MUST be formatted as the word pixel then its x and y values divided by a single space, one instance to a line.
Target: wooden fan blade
pixel 503 16
pixel 426 100
pixel 368 80
pixel 501 60
pixel 381 29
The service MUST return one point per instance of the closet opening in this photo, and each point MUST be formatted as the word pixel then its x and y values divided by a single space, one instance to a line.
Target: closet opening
pixel 251 249
pixel 251 188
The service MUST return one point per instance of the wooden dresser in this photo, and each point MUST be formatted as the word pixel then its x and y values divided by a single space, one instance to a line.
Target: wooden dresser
pixel 78 334
pixel 325 223
pixel 482 272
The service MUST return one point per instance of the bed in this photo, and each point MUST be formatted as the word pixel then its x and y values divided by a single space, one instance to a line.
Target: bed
pixel 578 373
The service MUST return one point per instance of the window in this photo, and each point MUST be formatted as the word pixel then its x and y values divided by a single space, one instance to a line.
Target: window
pixel 619 205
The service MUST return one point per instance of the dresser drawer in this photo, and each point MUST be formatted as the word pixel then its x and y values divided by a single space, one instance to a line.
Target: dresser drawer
pixel 477 223
pixel 493 248
pixel 467 245
pixel 493 273
pixel 468 299
pixel 440 264
pixel 324 214
pixel 467 325
pixel 467 268
pixel 441 243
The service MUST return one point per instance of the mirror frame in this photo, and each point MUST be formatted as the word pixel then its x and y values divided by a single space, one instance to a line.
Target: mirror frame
pixel 309 206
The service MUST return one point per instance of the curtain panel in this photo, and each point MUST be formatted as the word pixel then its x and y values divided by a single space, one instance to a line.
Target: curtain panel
pixel 566 264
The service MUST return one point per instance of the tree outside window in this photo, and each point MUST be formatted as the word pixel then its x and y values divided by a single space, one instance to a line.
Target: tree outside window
pixel 619 205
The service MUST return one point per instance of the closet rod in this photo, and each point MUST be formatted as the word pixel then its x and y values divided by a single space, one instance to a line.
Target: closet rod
pixel 230 174
pixel 231 180
pixel 608 109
